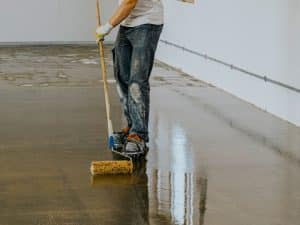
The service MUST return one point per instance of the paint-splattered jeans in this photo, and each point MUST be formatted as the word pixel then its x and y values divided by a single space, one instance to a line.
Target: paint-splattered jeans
pixel 133 55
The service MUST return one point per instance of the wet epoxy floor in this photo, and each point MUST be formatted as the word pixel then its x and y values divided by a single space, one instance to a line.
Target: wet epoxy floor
pixel 213 159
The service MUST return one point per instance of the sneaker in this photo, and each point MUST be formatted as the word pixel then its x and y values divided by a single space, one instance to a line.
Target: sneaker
pixel 135 145
pixel 119 139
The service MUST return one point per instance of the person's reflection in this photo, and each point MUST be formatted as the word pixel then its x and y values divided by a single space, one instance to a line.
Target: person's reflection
pixel 125 198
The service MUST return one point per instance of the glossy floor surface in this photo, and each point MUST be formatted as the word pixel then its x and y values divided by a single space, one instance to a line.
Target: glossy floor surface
pixel 213 159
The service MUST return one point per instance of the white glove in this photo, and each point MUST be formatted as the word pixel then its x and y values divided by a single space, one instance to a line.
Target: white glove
pixel 102 31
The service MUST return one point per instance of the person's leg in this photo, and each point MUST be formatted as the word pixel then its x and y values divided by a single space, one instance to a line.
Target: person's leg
pixel 144 41
pixel 122 62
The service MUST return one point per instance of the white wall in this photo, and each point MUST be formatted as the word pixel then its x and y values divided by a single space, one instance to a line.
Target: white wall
pixel 51 20
pixel 261 36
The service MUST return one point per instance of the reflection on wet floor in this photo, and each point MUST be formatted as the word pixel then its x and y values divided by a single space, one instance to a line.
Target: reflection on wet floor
pixel 177 198
pixel 169 198
pixel 213 159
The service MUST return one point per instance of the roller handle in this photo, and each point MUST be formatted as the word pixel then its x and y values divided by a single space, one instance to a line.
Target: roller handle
pixel 104 75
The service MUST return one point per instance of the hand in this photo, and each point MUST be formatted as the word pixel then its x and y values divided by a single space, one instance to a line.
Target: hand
pixel 102 31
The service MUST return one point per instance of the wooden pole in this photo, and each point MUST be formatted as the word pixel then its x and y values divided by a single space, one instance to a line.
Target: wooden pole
pixel 104 75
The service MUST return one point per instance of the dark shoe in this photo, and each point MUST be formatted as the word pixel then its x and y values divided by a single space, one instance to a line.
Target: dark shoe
pixel 135 145
pixel 119 139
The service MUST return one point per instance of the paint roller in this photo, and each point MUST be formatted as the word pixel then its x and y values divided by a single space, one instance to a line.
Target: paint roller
pixel 114 167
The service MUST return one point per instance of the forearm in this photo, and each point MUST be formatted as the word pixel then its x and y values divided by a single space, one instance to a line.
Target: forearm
pixel 122 12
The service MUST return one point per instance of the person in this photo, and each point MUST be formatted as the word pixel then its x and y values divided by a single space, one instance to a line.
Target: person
pixel 141 23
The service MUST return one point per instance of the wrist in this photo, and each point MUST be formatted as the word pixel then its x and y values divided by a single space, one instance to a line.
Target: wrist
pixel 109 26
pixel 111 22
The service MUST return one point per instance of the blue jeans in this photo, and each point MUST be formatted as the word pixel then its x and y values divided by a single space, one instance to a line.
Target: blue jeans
pixel 133 56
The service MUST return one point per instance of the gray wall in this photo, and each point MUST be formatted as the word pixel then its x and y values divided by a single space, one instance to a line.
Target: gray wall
pixel 51 21
pixel 261 36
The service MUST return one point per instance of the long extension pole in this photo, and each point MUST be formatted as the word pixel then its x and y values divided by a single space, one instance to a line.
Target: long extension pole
pixel 104 76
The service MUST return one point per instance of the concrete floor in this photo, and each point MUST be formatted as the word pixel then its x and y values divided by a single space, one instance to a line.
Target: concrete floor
pixel 213 159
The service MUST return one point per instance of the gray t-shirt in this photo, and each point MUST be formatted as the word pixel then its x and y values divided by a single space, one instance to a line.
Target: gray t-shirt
pixel 145 12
